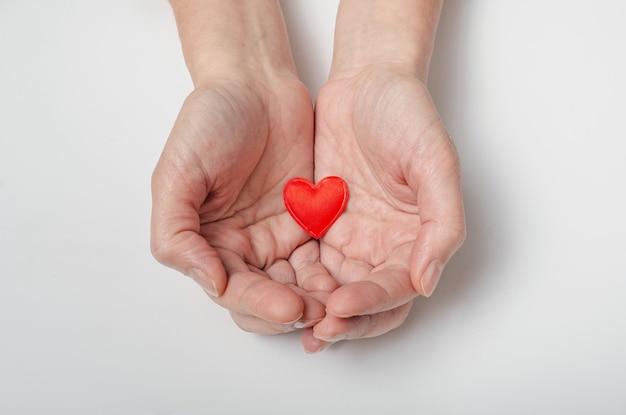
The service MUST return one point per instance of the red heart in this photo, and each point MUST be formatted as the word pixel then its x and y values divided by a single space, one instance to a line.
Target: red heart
pixel 316 208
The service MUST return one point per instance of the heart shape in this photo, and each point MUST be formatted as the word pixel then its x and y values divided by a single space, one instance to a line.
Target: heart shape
pixel 316 208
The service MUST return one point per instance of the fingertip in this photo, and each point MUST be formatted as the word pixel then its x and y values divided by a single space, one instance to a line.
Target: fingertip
pixel 280 305
pixel 430 279
pixel 190 254
pixel 213 286
pixel 311 344
pixel 357 298
pixel 314 311
pixel 333 329
pixel 340 302
pixel 321 282
pixel 425 275
pixel 434 247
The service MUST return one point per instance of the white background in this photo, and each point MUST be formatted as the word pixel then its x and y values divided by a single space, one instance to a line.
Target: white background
pixel 529 317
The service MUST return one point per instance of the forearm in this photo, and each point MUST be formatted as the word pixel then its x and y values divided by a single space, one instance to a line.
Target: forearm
pixel 398 32
pixel 220 36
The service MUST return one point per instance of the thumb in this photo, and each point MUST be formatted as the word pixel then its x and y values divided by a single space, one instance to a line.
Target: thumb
pixel 442 230
pixel 435 245
pixel 191 254
pixel 175 230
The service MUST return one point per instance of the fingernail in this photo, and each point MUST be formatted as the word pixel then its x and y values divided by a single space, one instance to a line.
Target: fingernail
pixel 207 284
pixel 303 324
pixel 323 347
pixel 333 339
pixel 431 278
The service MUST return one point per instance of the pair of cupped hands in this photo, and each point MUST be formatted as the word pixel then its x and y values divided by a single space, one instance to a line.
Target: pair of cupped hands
pixel 219 217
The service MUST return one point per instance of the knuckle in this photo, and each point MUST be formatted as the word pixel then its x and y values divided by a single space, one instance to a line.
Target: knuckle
pixel 460 235
pixel 457 234
pixel 161 250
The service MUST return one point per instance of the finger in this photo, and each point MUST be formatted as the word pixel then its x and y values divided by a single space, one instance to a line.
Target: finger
pixel 442 218
pixel 313 313
pixel 281 271
pixel 311 343
pixel 175 227
pixel 382 290
pixel 311 274
pixel 254 293
pixel 257 325
pixel 314 307
pixel 333 329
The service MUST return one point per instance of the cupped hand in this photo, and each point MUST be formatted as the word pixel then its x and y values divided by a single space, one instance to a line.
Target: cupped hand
pixel 378 129
pixel 218 214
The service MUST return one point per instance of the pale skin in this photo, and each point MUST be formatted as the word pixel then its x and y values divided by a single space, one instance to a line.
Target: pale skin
pixel 249 126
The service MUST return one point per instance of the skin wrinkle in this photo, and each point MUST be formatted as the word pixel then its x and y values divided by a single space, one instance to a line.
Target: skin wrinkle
pixel 161 246
pixel 396 281
pixel 248 256
pixel 364 325
pixel 376 212
pixel 280 270
pixel 264 248
pixel 408 131
pixel 214 184
pixel 276 128
pixel 362 163
pixel 247 252
pixel 257 258
pixel 352 270
pixel 378 238
pixel 237 210
pixel 380 326
pixel 302 264
pixel 255 295
pixel 176 164
pixel 258 217
pixel 378 233
pixel 258 228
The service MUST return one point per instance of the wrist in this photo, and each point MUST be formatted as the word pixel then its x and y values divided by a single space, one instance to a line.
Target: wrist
pixel 379 33
pixel 235 38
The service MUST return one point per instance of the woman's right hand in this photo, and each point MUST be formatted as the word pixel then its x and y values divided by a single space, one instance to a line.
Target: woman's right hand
pixel 218 213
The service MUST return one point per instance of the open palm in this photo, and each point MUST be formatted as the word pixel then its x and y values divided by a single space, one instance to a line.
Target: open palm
pixel 218 211
pixel 379 130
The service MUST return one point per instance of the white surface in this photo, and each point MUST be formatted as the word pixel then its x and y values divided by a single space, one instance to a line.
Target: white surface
pixel 529 317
